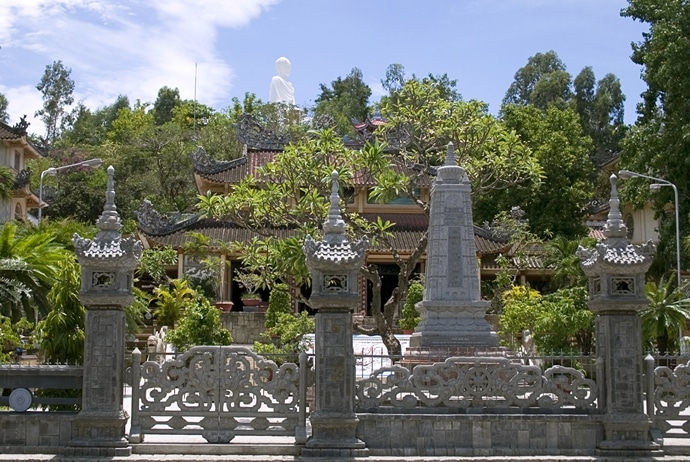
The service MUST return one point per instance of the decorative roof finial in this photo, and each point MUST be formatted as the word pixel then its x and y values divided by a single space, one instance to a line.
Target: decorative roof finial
pixel 109 222
pixel 334 225
pixel 615 227
pixel 450 155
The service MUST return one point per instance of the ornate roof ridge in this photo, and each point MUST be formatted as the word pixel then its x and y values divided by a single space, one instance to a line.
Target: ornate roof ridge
pixel 152 222
pixel 257 137
pixel 205 165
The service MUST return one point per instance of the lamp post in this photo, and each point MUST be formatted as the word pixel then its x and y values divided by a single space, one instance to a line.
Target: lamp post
pixel 626 174
pixel 54 170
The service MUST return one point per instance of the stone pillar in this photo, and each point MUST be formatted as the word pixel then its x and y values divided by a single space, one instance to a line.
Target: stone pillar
pixel 616 272
pixel 452 311
pixel 334 265
pixel 107 271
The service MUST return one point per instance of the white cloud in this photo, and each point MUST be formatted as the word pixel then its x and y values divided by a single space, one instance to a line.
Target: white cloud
pixel 114 47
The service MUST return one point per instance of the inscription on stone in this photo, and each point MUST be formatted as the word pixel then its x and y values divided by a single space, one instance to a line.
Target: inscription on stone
pixel 452 215
pixel 455 256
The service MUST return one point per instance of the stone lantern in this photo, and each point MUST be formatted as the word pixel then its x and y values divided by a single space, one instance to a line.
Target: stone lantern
pixel 616 272
pixel 107 264
pixel 334 265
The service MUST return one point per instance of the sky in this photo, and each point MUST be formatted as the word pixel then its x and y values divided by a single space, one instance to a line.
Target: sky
pixel 215 50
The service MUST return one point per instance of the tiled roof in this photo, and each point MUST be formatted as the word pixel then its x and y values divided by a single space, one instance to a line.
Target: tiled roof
pixel 236 170
pixel 341 253
pixel 9 133
pixel 406 234
pixel 233 171
pixel 627 255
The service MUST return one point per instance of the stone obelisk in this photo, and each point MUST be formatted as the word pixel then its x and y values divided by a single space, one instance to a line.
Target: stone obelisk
pixel 452 312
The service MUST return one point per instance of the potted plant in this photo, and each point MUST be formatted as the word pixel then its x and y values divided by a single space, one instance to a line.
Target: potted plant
pixel 410 316
pixel 250 301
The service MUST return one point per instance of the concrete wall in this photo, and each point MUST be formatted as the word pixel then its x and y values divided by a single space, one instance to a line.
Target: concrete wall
pixel 409 435
pixel 244 327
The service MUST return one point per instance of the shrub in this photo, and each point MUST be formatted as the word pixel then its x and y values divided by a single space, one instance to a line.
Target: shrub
pixel 278 303
pixel 200 324
pixel 286 337
pixel 410 316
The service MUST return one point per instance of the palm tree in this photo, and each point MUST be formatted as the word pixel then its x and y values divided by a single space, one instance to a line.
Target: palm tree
pixel 29 261
pixel 172 302
pixel 561 255
pixel 669 308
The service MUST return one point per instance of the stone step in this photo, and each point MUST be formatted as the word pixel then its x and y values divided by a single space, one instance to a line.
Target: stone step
pixel 233 449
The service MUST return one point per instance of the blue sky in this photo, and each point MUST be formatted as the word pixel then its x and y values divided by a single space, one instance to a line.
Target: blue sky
pixel 134 47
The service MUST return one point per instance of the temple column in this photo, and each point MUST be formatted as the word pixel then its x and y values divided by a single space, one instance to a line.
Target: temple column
pixel 108 264
pixel 334 265
pixel 616 271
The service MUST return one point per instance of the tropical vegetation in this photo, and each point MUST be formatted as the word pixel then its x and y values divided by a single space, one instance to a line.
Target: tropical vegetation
pixel 541 154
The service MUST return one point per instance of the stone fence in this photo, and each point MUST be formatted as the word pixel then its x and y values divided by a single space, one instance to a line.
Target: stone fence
pixel 34 431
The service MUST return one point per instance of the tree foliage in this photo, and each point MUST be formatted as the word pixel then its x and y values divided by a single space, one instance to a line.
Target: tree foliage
pixel 31 259
pixel 57 88
pixel 658 144
pixel 541 82
pixel 346 100
pixel 61 333
pixel 200 324
pixel 4 116
pixel 557 205
pixel 666 315
pixel 559 323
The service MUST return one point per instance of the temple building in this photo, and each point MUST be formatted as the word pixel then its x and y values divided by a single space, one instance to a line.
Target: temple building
pixel 260 147
pixel 15 151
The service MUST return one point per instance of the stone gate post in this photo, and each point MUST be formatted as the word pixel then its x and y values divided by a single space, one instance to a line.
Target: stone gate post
pixel 334 265
pixel 616 273
pixel 107 270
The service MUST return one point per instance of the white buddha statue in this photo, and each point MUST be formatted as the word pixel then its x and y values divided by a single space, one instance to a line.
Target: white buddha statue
pixel 282 90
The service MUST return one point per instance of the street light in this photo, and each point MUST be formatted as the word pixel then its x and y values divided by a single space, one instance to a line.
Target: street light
pixel 54 170
pixel 626 174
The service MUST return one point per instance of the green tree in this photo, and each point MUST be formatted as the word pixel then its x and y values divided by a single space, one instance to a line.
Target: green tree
pixel 600 109
pixel 429 118
pixel 168 99
pixel 558 323
pixel 666 315
pixel 558 204
pixel 395 78
pixel 410 316
pixel 153 263
pixel 541 82
pixel 11 336
pixel 278 303
pixel 57 88
pixel 561 257
pixel 90 128
pixel 200 324
pixel 4 116
pixel 658 144
pixel 61 333
pixel 345 100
